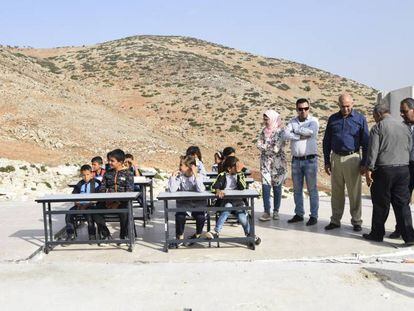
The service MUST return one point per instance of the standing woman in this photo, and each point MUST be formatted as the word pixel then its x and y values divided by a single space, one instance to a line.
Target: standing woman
pixel 273 165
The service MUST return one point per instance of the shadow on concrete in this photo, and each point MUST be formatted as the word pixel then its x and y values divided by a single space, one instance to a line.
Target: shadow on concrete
pixel 401 282
pixel 35 236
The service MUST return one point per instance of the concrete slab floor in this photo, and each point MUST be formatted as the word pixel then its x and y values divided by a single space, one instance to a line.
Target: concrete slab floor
pixel 295 267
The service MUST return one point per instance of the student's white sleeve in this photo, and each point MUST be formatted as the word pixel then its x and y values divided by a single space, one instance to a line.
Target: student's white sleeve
pixel 173 184
pixel 289 134
pixel 199 181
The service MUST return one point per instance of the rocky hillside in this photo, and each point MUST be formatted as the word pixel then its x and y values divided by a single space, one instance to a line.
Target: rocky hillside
pixel 153 96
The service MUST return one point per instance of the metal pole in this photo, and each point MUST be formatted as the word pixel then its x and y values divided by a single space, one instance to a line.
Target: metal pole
pixel 130 227
pixel 50 222
pixel 253 233
pixel 144 204
pixel 46 249
pixel 166 225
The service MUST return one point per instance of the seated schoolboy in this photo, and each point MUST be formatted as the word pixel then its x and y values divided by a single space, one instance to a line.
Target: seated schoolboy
pixel 187 179
pixel 218 158
pixel 88 184
pixel 132 165
pixel 97 167
pixel 230 152
pixel 195 152
pixel 230 179
pixel 116 179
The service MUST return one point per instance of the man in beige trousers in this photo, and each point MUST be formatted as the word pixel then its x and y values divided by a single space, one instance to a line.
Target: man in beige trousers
pixel 345 135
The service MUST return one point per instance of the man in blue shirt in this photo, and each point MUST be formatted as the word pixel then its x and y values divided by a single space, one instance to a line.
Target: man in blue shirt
pixel 345 135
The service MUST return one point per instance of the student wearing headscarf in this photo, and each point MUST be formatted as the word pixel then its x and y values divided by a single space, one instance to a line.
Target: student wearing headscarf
pixel 273 166
pixel 302 131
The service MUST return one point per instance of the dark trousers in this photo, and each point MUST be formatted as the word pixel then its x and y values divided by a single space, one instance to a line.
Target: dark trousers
pixel 410 187
pixel 70 222
pixel 391 185
pixel 180 219
pixel 123 221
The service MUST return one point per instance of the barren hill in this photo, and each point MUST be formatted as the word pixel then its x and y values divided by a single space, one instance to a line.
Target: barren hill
pixel 153 96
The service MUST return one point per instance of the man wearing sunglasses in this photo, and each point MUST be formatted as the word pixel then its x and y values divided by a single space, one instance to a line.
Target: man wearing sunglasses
pixel 345 135
pixel 302 131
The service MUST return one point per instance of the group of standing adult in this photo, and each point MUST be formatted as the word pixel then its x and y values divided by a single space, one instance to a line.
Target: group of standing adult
pixel 385 156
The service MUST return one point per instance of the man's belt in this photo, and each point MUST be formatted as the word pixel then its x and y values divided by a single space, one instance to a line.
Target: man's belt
pixel 345 153
pixel 308 157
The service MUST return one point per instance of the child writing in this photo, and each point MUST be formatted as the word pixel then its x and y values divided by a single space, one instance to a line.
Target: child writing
pixel 230 179
pixel 116 179
pixel 187 179
pixel 88 184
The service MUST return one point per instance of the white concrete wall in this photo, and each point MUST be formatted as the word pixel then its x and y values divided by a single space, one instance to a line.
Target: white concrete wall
pixel 393 98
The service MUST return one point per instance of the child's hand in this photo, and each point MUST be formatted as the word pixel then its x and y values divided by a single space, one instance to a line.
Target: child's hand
pixel 220 194
pixel 194 170
pixel 239 166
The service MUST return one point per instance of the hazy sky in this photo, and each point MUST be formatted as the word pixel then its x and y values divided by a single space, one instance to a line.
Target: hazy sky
pixel 367 40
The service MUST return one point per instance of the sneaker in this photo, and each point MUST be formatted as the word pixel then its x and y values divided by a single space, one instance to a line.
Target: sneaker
pixel 175 244
pixel 92 237
pixel 275 215
pixel 210 235
pixel 265 217
pixel 312 221
pixel 194 236
pixel 295 218
pixel 69 237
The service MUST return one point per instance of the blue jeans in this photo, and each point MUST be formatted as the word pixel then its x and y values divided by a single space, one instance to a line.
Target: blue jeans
pixel 241 216
pixel 307 169
pixel 277 197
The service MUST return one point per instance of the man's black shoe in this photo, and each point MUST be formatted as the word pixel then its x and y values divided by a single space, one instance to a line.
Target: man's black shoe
pixel 332 226
pixel 395 235
pixel 370 237
pixel 357 228
pixel 295 218
pixel 312 221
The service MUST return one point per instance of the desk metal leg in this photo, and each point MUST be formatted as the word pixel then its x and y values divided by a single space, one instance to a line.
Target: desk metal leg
pixel 166 225
pixel 144 205
pixel 46 249
pixel 252 231
pixel 152 196
pixel 130 227
pixel 50 222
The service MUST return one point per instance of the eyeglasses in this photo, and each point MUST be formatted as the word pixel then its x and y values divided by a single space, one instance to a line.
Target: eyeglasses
pixel 303 109
pixel 404 111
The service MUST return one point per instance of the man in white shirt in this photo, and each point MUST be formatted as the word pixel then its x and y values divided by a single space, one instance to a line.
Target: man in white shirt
pixel 302 131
